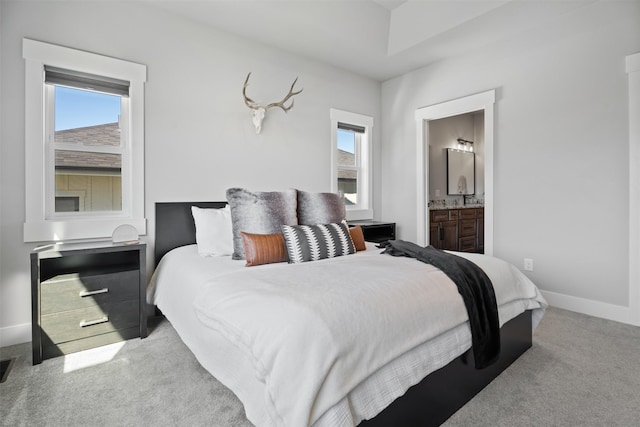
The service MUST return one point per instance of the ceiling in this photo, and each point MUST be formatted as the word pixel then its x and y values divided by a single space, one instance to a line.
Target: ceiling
pixel 380 39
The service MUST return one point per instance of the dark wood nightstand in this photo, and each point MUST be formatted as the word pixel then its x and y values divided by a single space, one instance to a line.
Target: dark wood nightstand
pixel 85 295
pixel 376 231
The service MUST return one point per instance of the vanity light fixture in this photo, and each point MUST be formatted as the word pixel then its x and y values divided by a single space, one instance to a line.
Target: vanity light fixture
pixel 465 145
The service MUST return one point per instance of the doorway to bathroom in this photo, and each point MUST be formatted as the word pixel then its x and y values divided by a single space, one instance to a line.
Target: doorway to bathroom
pixel 450 138
pixel 478 108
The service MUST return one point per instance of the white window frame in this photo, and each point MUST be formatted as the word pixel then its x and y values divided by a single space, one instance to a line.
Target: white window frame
pixel 364 159
pixel 40 225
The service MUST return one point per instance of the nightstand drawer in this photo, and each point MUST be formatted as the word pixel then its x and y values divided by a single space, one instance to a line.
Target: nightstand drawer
pixel 73 291
pixel 86 322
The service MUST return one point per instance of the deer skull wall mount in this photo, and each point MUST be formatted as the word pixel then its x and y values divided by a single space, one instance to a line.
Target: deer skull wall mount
pixel 258 111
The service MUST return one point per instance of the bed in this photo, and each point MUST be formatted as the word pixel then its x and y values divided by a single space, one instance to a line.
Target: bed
pixel 422 386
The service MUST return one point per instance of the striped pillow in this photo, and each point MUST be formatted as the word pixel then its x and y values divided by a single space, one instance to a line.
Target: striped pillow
pixel 315 242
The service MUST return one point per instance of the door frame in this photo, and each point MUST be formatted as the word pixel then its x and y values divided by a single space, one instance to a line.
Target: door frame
pixel 481 101
pixel 632 315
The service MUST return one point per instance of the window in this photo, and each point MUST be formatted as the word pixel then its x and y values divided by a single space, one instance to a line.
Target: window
pixel 351 162
pixel 84 144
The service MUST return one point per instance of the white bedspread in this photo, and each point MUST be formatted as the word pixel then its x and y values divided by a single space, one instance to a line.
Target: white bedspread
pixel 314 332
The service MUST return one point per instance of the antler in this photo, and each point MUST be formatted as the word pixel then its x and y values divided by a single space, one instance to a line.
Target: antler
pixel 258 113
pixel 254 105
pixel 250 102
pixel 285 99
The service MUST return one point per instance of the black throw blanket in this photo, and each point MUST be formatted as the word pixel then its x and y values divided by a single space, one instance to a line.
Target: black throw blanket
pixel 475 288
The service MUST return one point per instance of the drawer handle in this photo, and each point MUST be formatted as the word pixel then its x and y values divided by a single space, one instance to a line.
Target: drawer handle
pixel 83 294
pixel 85 323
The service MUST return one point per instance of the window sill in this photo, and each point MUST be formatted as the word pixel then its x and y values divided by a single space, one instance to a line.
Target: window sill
pixel 55 231
pixel 359 214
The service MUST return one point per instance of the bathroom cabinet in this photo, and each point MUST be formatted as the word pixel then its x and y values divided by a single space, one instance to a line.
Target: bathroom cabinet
pixel 459 229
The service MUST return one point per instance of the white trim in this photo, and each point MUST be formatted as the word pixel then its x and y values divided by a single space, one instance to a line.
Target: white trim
pixel 633 70
pixel 600 309
pixel 34 146
pixel 82 229
pixel 481 101
pixel 91 63
pixel 36 227
pixel 633 63
pixel 15 334
pixel 364 208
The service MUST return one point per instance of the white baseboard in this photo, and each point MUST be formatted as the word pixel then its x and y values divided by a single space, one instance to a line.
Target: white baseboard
pixel 600 309
pixel 15 334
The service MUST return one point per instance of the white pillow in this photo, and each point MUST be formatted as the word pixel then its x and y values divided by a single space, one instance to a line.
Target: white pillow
pixel 214 234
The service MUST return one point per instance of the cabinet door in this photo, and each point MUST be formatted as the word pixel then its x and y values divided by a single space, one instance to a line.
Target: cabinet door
pixel 467 244
pixel 480 227
pixel 450 235
pixel 468 228
pixel 434 235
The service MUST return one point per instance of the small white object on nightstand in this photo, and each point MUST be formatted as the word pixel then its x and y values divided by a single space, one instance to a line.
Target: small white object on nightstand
pixel 126 234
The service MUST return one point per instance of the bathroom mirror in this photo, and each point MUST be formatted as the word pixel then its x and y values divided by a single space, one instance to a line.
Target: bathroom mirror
pixel 461 172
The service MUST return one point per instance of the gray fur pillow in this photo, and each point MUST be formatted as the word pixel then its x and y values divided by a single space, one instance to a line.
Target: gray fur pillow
pixel 320 208
pixel 259 213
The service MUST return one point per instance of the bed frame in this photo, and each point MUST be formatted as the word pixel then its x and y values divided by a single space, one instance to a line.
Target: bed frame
pixel 430 402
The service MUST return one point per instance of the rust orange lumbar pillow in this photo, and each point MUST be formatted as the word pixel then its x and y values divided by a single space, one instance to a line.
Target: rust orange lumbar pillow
pixel 358 238
pixel 263 248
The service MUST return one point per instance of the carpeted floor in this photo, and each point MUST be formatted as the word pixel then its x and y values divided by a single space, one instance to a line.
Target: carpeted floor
pixel 581 371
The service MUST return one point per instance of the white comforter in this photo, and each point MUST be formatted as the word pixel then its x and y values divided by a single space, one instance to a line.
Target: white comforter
pixel 314 331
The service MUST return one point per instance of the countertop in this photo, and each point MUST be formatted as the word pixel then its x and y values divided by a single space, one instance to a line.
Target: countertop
pixel 440 208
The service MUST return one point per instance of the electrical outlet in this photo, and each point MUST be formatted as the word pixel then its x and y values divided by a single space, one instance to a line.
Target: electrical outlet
pixel 437 193
pixel 528 264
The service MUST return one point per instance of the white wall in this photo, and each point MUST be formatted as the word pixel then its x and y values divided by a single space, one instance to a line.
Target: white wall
pixel 199 138
pixel 2 128
pixel 561 147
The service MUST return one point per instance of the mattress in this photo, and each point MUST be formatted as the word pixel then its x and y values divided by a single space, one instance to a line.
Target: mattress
pixel 182 276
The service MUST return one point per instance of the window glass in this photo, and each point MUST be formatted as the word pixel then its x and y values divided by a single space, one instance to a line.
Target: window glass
pixel 79 108
pixel 87 181
pixel 348 166
pixel 68 204
pixel 348 186
pixel 95 179
pixel 346 148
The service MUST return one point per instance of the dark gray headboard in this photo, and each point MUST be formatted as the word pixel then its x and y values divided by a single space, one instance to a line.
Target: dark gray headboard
pixel 175 226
